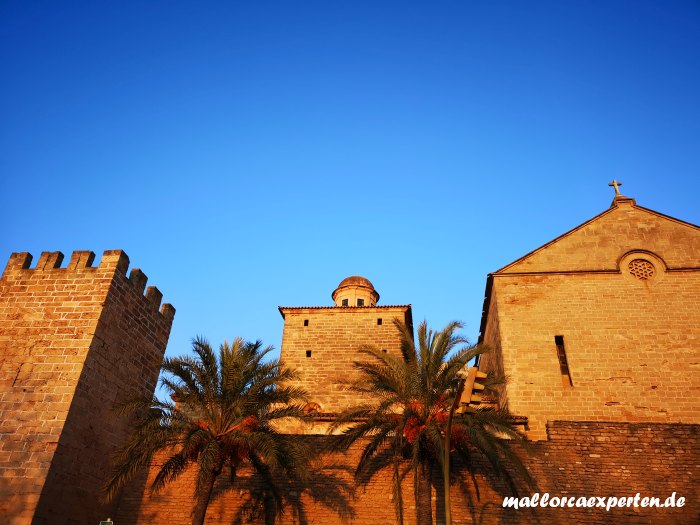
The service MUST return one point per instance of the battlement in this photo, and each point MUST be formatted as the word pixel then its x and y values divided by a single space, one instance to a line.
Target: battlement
pixel 112 261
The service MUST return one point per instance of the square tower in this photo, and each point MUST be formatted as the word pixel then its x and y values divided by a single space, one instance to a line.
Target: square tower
pixel 322 342
pixel 73 341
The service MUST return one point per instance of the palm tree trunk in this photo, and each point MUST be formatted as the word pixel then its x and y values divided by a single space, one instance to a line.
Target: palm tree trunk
pixel 200 510
pixel 424 509
pixel 397 492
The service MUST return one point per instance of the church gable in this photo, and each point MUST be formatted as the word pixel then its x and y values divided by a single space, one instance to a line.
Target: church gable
pixel 600 243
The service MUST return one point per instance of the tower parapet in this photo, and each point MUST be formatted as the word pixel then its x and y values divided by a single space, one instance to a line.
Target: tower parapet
pixel 112 260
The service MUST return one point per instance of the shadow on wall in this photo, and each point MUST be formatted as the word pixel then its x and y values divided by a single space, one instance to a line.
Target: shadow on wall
pixel 91 433
pixel 579 459
pixel 328 486
pixel 18 498
pixel 475 480
pixel 325 496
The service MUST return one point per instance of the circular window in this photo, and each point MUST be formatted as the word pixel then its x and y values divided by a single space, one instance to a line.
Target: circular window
pixel 641 269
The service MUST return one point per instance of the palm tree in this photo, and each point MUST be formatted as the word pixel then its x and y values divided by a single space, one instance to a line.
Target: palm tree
pixel 222 418
pixel 402 423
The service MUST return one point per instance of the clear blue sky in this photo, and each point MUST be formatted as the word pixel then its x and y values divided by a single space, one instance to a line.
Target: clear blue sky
pixel 250 155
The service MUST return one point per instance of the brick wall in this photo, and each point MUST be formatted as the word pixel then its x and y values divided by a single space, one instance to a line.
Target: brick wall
pixel 73 341
pixel 578 459
pixel 333 336
pixel 632 345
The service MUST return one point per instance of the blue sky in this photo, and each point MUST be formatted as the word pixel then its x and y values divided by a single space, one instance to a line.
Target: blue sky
pixel 250 155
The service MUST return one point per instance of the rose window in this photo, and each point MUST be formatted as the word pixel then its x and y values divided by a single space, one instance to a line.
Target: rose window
pixel 641 269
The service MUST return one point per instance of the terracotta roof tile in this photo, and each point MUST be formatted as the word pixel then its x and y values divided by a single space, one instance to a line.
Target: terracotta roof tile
pixel 282 309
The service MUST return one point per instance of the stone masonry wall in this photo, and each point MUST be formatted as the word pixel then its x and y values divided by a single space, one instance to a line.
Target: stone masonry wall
pixel 334 337
pixel 623 291
pixel 492 360
pixel 72 342
pixel 633 350
pixel 579 459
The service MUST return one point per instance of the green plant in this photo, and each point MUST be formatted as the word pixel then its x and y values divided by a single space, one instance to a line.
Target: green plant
pixel 402 421
pixel 221 417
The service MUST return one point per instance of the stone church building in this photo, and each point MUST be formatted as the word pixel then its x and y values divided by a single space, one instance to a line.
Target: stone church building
pixel 600 324
pixel 597 331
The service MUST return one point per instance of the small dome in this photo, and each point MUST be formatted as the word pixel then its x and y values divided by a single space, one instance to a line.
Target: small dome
pixel 355 291
pixel 356 280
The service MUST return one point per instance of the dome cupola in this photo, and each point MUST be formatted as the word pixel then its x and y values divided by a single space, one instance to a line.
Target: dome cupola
pixel 355 291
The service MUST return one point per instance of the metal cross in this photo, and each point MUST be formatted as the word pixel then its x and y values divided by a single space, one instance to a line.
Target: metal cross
pixel 616 185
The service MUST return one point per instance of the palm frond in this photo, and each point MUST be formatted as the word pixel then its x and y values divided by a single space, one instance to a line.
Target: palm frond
pixel 170 470
pixel 406 403
pixel 225 402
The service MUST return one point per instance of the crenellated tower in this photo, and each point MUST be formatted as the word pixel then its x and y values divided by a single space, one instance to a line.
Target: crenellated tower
pixel 73 341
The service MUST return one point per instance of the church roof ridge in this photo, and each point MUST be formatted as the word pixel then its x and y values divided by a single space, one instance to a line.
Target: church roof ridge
pixel 559 237
pixel 617 202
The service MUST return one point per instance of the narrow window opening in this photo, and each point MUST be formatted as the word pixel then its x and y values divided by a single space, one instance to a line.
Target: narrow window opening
pixel 345 302
pixel 306 322
pixel 379 321
pixel 360 302
pixel 563 363
pixel 384 350
pixel 308 353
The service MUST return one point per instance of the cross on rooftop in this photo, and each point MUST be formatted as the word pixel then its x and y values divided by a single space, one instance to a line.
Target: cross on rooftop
pixel 616 185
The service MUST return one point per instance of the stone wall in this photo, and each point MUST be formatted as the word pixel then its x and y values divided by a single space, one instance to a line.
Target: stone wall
pixel 632 341
pixel 73 341
pixel 579 459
